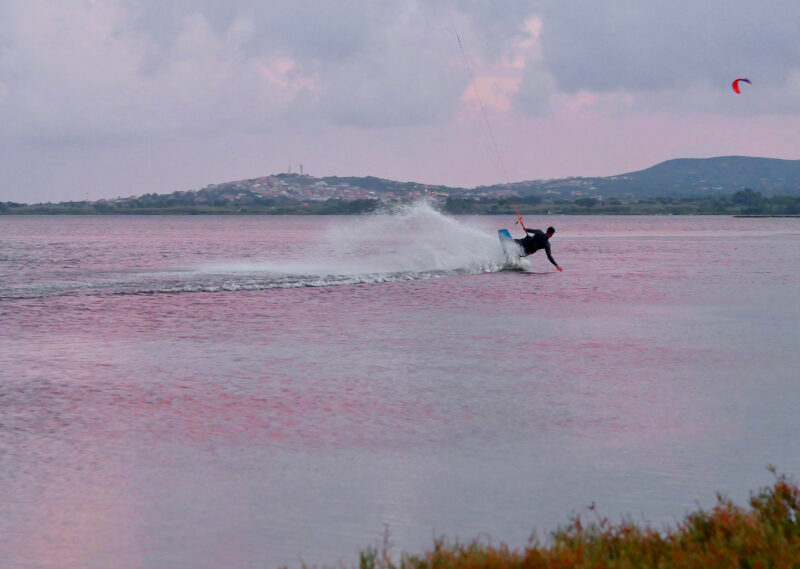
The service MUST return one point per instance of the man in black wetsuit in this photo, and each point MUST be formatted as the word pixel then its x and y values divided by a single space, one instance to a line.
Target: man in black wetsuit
pixel 537 239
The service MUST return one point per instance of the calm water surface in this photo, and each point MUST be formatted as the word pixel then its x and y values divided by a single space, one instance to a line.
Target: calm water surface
pixel 204 392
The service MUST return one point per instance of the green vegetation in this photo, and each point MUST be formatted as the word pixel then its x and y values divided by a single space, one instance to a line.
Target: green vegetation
pixel 676 187
pixel 684 186
pixel 700 177
pixel 275 207
pixel 743 202
pixel 767 535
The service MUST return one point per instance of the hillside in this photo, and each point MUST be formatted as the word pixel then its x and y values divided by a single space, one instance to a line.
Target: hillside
pixel 722 175
pixel 719 181
pixel 683 177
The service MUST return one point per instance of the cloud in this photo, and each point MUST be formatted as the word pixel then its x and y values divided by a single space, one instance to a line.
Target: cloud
pixel 107 69
pixel 241 85
pixel 120 68
pixel 403 76
pixel 661 50
pixel 91 71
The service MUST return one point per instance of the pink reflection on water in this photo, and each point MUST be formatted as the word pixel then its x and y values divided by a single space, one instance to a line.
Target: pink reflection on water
pixel 86 523
pixel 621 359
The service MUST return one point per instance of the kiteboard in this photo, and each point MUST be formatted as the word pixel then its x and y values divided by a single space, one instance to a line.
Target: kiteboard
pixel 510 247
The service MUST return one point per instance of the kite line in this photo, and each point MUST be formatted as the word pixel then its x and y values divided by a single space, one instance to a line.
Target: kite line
pixel 483 110
pixel 489 127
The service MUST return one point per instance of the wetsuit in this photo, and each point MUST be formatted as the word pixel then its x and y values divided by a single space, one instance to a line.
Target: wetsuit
pixel 535 240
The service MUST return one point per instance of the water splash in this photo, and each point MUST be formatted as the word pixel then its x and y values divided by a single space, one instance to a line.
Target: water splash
pixel 410 242
pixel 415 238
pixel 405 242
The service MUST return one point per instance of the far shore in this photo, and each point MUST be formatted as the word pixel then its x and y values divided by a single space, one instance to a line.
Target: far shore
pixel 741 204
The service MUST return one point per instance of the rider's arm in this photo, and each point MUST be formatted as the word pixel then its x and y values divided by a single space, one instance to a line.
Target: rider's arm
pixel 549 256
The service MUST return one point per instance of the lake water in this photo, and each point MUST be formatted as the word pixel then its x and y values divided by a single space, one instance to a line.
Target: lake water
pixel 205 392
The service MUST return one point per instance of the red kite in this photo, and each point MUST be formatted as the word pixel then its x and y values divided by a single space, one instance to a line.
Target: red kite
pixel 735 84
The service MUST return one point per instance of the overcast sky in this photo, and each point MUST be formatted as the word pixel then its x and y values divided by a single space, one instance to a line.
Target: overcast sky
pixel 107 98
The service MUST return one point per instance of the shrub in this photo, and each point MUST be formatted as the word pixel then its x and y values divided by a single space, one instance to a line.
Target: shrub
pixel 767 535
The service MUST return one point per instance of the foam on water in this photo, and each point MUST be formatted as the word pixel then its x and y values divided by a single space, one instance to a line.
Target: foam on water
pixel 415 238
pixel 407 243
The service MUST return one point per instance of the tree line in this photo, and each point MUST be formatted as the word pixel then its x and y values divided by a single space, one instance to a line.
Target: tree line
pixel 743 202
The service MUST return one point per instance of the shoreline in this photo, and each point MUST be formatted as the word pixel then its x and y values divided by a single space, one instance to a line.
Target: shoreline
pixel 767 534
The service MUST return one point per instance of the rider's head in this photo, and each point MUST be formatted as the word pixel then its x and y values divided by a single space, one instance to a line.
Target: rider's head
pixel 550 231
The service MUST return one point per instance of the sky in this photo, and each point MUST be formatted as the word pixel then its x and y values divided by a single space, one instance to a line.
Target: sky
pixel 108 98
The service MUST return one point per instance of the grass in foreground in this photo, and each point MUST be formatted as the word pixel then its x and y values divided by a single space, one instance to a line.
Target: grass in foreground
pixel 767 535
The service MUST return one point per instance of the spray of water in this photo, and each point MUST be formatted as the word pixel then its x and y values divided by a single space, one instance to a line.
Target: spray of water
pixel 414 238
pixel 406 242
pixel 409 242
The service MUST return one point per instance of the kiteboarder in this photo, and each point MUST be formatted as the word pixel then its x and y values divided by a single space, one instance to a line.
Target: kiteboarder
pixel 537 239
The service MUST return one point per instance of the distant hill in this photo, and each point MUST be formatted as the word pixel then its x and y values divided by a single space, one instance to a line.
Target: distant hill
pixel 728 173
pixel 721 175
pixel 683 177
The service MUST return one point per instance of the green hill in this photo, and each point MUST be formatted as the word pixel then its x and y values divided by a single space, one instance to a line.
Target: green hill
pixel 683 177
pixel 718 181
pixel 724 174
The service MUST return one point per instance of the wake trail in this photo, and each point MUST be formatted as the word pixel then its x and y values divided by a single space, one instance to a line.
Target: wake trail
pixel 412 242
pixel 407 242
